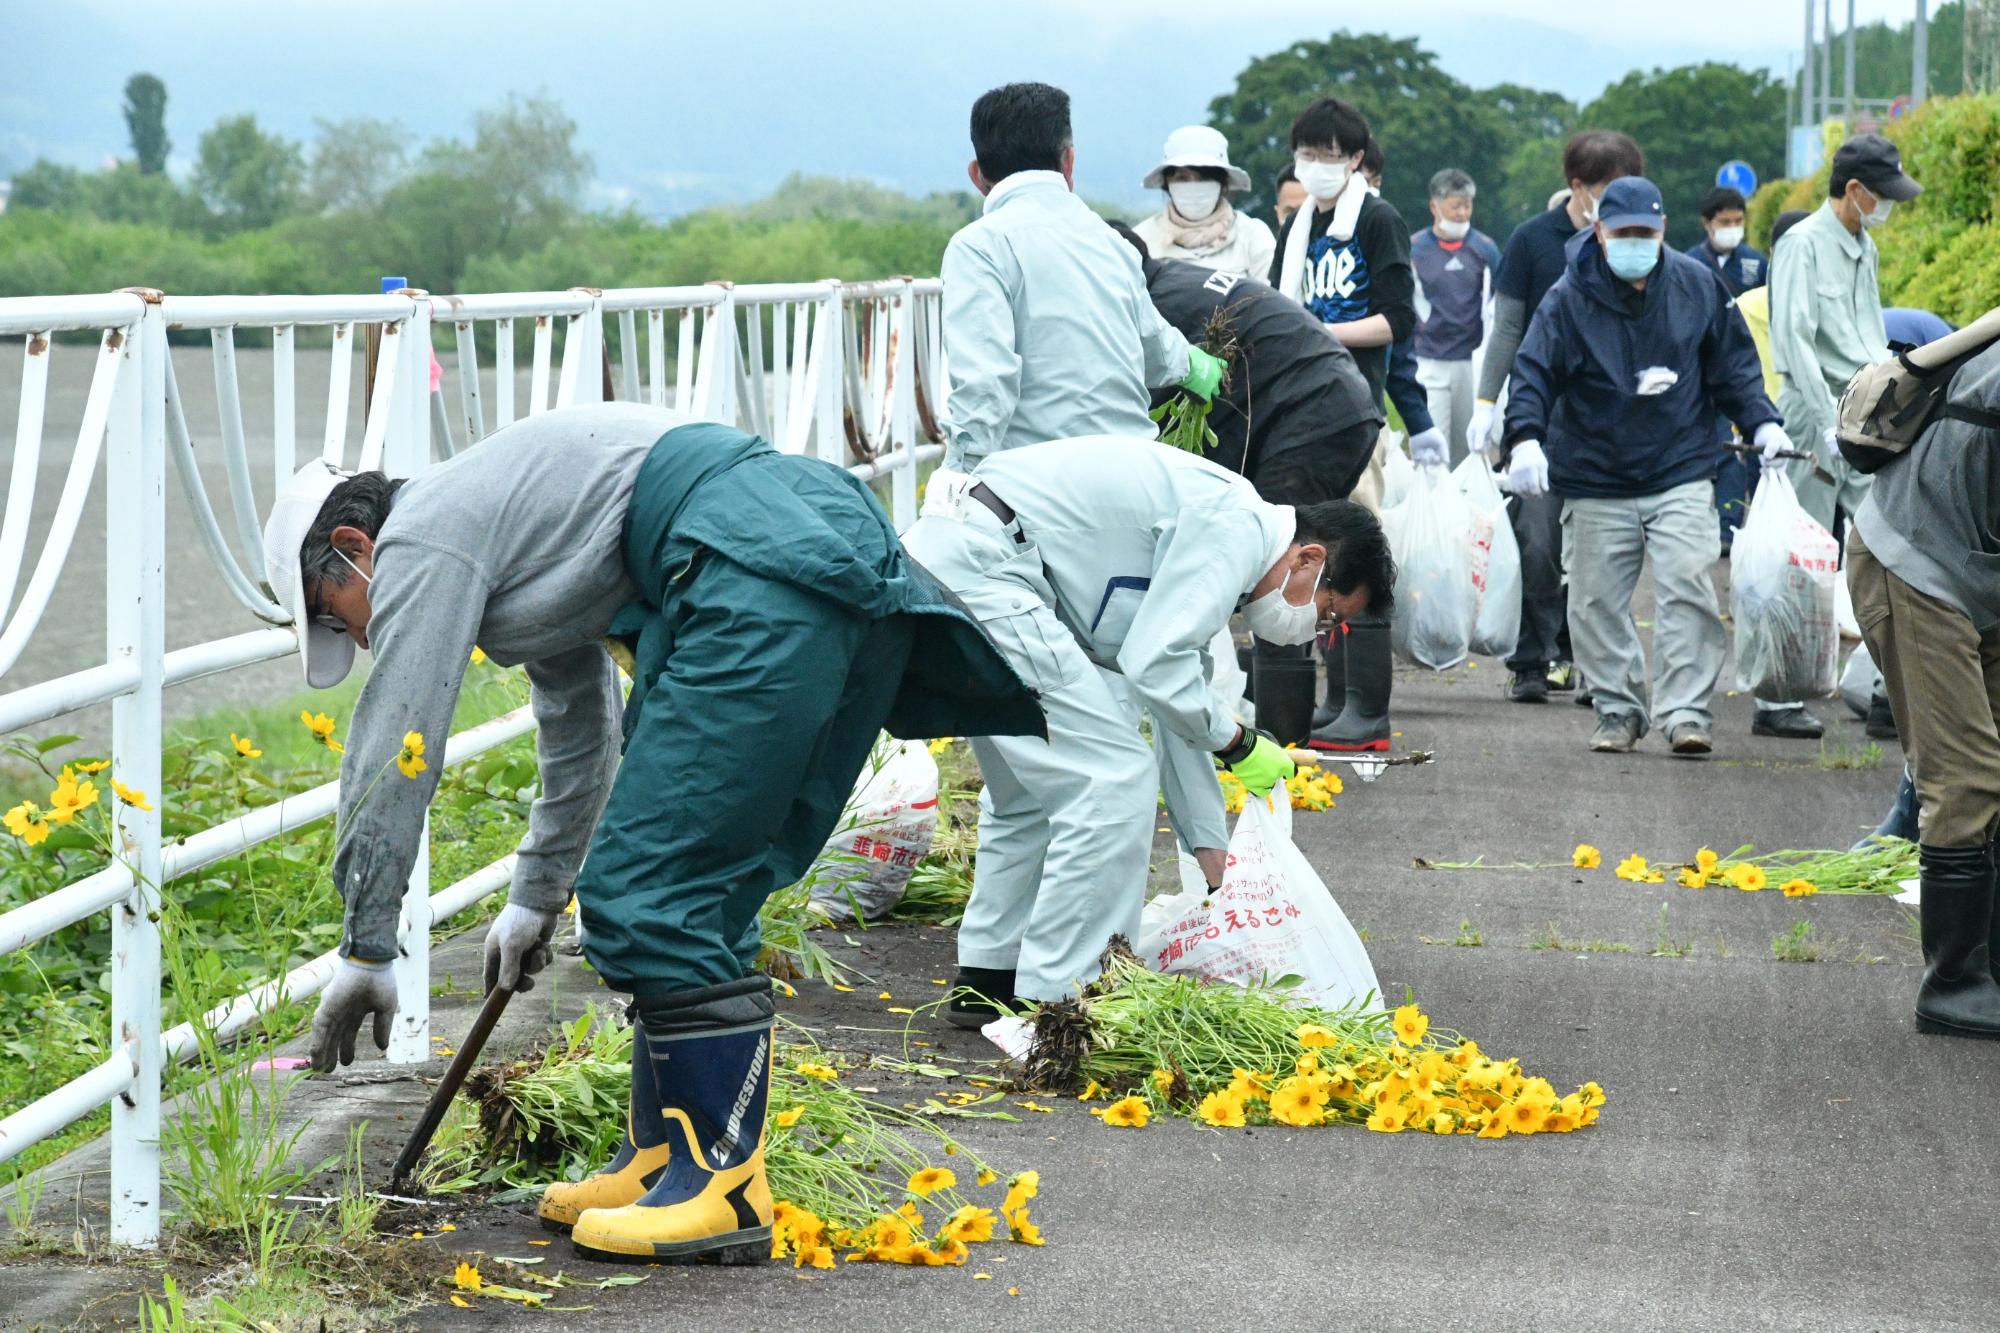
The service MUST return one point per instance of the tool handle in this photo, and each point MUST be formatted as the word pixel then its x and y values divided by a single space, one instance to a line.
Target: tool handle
pixel 454 1078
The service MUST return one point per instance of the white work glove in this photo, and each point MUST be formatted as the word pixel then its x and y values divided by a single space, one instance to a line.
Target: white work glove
pixel 357 991
pixel 1528 469
pixel 1771 440
pixel 1428 448
pixel 517 946
pixel 1485 425
pixel 1832 442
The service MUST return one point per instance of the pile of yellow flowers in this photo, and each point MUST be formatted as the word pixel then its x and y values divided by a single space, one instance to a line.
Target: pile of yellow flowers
pixel 1309 789
pixel 1408 1085
pixel 905 1236
pixel 74 793
pixel 1706 870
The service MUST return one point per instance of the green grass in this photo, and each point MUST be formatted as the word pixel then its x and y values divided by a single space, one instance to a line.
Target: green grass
pixel 1796 945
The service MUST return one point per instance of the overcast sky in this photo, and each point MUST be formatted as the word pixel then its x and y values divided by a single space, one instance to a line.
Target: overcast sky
pixel 683 105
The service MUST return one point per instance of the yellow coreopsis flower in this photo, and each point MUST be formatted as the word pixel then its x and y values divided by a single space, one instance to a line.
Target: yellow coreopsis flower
pixel 245 746
pixel 1798 888
pixel 814 1069
pixel 970 1225
pixel 1311 1035
pixel 25 822
pixel 1021 1230
pixel 1410 1024
pixel 1586 857
pixel 1525 1117
pixel 1706 861
pixel 135 799
pixel 410 759
pixel 71 797
pixel 1634 868
pixel 786 1119
pixel 1020 1189
pixel 1092 1091
pixel 1748 878
pixel 1246 1086
pixel 819 1256
pixel 1388 1119
pixel 93 766
pixel 940 745
pixel 1307 1063
pixel 1691 878
pixel 932 1179
pixel 1163 1079
pixel 1126 1113
pixel 1222 1110
pixel 467 1277
pixel 1298 1102
pixel 985 1176
pixel 1467 1052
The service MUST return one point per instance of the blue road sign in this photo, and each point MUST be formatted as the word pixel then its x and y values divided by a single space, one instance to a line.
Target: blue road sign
pixel 1737 176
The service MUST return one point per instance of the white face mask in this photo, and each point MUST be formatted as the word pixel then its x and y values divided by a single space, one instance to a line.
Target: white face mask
pixel 1275 620
pixel 1324 181
pixel 1879 214
pixel 1726 239
pixel 1452 231
pixel 1195 200
pixel 1590 209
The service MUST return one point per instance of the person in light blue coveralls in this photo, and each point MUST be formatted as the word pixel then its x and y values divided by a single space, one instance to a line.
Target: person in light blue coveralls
pixel 1051 335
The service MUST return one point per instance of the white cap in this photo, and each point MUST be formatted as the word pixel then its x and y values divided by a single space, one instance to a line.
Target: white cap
pixel 1196 146
pixel 326 655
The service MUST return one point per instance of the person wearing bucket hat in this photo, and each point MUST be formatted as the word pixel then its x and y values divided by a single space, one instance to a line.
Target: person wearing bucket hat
pixel 760 602
pixel 1826 324
pixel 1198 223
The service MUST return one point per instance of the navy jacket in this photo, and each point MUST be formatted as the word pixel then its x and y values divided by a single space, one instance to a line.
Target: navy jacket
pixel 1741 270
pixel 1576 378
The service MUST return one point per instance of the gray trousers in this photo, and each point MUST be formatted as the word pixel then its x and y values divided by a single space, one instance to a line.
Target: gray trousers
pixel 1448 393
pixel 1065 824
pixel 1605 544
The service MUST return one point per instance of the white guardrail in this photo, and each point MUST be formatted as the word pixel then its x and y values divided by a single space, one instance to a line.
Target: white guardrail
pixel 850 373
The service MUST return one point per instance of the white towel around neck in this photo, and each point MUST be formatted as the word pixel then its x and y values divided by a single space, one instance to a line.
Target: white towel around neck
pixel 1346 213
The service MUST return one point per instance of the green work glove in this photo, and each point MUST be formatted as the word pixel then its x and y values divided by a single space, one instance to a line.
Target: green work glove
pixel 1258 761
pixel 1204 375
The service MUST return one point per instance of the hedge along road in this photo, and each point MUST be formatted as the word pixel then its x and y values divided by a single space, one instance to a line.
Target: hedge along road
pixel 200 606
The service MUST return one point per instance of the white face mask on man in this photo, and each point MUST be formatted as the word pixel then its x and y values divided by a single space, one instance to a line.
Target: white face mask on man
pixel 1726 239
pixel 1879 214
pixel 1275 619
pixel 1324 181
pixel 1452 231
pixel 1195 200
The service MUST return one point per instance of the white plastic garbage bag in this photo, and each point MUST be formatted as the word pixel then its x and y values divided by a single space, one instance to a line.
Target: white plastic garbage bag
pixel 1783 570
pixel 1226 677
pixel 1271 919
pixel 1496 559
pixel 1843 603
pixel 1398 472
pixel 885 830
pixel 1436 602
pixel 1859 681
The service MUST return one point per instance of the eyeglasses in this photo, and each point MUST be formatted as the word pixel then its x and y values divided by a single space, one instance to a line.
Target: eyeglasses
pixel 1327 157
pixel 319 616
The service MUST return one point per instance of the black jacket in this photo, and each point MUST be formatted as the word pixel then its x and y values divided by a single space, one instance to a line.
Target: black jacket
pixel 1291 386
pixel 1576 378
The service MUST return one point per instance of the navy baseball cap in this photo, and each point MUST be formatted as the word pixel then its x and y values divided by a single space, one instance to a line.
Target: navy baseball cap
pixel 1631 201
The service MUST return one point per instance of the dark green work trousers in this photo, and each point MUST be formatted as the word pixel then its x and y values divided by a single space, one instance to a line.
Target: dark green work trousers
pixel 738 763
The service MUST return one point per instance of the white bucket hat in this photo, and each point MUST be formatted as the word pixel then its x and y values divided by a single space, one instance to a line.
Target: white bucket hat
pixel 326 654
pixel 1196 146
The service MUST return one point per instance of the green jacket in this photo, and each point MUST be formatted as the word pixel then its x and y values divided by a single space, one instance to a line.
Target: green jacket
pixel 709 488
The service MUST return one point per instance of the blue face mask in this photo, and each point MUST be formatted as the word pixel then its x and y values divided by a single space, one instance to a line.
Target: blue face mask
pixel 1631 257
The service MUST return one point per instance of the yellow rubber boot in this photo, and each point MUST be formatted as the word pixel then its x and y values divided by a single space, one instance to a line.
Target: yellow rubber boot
pixel 636 1167
pixel 713 1201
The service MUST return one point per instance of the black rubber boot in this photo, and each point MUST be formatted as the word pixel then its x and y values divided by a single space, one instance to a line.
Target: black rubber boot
pixel 1334 653
pixel 979 995
pixel 1993 930
pixel 1363 723
pixel 1959 996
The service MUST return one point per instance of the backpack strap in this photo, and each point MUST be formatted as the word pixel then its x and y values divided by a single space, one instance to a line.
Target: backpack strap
pixel 1985 418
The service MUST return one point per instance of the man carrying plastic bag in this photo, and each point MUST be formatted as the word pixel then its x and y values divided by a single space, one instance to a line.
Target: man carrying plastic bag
pixel 1632 355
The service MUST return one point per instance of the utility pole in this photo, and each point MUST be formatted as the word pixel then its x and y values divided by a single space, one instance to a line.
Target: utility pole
pixel 1808 92
pixel 1920 56
pixel 1849 84
pixel 1826 58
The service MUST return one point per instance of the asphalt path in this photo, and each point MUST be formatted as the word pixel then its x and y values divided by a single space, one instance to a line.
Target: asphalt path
pixel 1780 1149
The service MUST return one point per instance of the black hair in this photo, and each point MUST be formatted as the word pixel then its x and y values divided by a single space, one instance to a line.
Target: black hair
pixel 1371 157
pixel 1131 239
pixel 1216 174
pixel 1785 221
pixel 1288 176
pixel 1020 127
pixel 1330 123
pixel 1597 157
pixel 1357 550
pixel 362 501
pixel 1721 200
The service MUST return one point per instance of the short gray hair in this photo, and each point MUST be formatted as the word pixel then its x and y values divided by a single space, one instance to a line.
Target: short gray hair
pixel 362 501
pixel 1451 183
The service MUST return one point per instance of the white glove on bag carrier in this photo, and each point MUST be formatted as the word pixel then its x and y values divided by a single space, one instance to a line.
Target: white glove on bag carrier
pixel 1495 557
pixel 1783 570
pixel 1271 920
pixel 885 830
pixel 1436 601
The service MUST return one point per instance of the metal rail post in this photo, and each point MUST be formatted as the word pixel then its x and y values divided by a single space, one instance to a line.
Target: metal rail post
pixel 903 408
pixel 829 410
pixel 135 631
